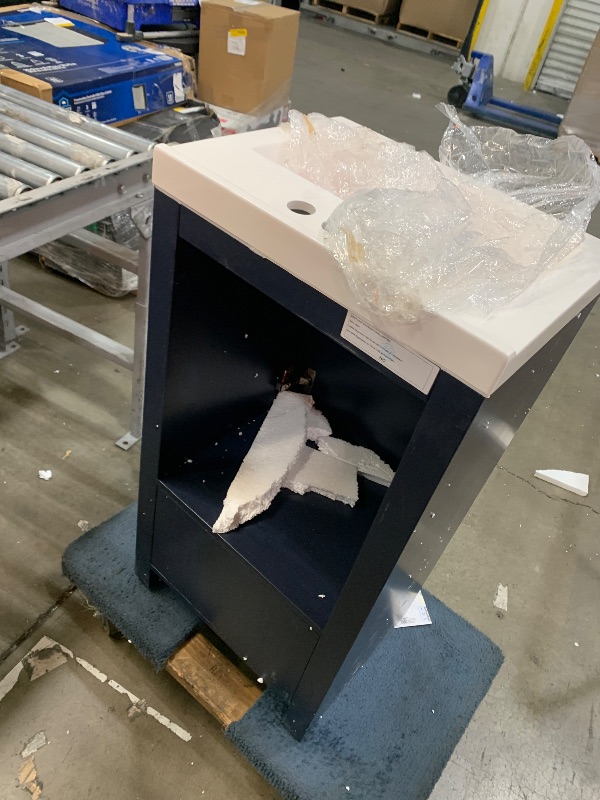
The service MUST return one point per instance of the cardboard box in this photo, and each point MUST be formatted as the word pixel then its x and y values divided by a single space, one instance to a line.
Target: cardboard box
pixel 236 122
pixel 247 51
pixel 449 18
pixel 583 114
pixel 143 12
pixel 87 68
pixel 26 84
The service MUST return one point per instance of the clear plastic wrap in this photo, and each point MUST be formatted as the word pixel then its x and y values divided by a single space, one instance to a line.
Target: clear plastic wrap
pixel 345 160
pixel 558 176
pixel 124 227
pixel 424 237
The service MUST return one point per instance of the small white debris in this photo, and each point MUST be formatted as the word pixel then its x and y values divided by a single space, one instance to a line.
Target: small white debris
pixel 576 482
pixel 244 658
pixel 501 598
pixel 189 461
pixel 245 336
pixel 45 474
pixel 56 371
pixel 256 374
pixel 35 744
pixel 416 95
pixel 321 596
pixel 347 788
pixel 433 710
pixel 83 525
pixel 576 644
pixel 260 680
pixel 417 614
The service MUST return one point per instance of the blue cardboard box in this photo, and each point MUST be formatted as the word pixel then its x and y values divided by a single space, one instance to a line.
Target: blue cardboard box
pixel 88 69
pixel 117 13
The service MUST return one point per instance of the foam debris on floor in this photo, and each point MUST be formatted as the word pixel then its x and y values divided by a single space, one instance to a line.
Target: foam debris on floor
pixel 576 482
pixel 280 458
pixel 501 597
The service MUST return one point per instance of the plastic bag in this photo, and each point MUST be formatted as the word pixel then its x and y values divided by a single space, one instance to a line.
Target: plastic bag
pixel 425 237
pixel 344 159
pixel 557 176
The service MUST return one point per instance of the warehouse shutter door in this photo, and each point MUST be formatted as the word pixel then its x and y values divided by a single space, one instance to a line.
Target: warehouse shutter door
pixel 575 32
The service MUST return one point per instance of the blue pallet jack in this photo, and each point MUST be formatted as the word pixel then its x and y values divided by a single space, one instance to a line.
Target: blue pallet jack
pixel 475 94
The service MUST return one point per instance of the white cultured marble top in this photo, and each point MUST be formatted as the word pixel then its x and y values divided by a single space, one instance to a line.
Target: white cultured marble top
pixel 240 184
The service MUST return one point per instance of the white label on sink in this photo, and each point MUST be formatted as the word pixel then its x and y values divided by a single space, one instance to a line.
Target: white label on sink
pixel 407 365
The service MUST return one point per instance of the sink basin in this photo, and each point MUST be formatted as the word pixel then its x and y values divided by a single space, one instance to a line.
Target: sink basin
pixel 241 185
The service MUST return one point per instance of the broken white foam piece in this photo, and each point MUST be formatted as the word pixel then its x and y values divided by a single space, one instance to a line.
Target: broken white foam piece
pixel 323 474
pixel 278 446
pixel 317 425
pixel 576 482
pixel 368 463
pixel 45 474
pixel 501 598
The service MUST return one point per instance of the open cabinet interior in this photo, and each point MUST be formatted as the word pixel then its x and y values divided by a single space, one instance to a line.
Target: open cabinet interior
pixel 229 348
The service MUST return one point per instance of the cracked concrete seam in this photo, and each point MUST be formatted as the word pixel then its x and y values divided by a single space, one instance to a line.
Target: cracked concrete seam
pixel 549 496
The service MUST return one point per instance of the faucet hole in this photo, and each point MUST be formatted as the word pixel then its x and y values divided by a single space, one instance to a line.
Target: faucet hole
pixel 300 207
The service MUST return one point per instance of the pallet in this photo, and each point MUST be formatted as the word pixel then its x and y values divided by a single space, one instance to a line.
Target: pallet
pixel 225 690
pixel 423 33
pixel 353 12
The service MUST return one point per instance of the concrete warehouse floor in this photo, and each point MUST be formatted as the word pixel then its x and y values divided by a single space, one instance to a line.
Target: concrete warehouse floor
pixel 536 736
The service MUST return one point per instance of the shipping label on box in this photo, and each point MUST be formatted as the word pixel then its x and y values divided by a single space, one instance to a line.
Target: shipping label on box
pixel 87 68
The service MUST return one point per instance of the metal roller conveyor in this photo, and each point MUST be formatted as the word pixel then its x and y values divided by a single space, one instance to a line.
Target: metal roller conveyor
pixel 9 187
pixel 68 131
pixel 128 140
pixel 91 159
pixel 30 174
pixel 60 165
pixel 61 172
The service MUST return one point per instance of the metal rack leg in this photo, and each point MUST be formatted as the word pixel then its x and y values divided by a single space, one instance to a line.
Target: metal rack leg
pixel 8 330
pixel 139 345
